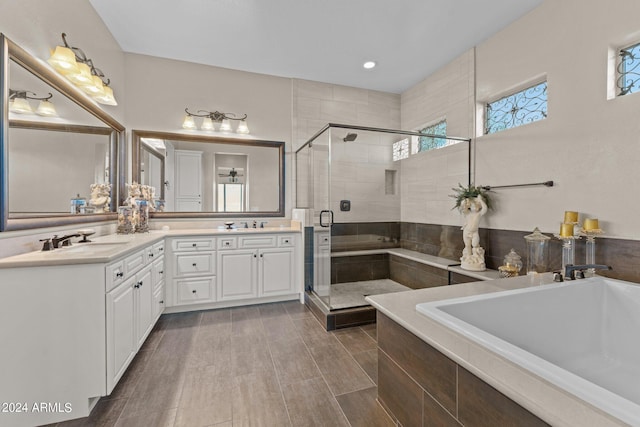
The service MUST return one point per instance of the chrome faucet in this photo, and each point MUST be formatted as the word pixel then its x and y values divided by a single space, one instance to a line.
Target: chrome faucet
pixel 262 223
pixel 572 272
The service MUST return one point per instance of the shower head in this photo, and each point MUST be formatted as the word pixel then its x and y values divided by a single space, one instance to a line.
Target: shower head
pixel 350 137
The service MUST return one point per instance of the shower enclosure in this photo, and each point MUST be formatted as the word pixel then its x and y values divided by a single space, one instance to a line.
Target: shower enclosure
pixel 348 177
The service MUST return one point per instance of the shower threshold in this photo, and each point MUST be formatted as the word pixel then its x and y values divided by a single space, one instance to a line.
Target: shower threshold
pixel 348 315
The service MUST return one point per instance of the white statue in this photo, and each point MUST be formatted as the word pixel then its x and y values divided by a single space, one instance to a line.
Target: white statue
pixel 473 254
pixel 100 197
pixel 134 194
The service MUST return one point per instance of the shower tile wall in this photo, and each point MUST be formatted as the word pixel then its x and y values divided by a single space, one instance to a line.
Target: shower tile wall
pixel 357 168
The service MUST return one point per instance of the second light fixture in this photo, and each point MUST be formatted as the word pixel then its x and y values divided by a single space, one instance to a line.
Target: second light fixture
pixel 211 119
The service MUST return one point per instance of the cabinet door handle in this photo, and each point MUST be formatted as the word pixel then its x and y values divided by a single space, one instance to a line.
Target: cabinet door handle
pixel 194 245
pixel 194 264
pixel 161 249
pixel 255 256
pixel 161 272
pixel 161 302
pixel 194 291
pixel 150 255
pixel 140 283
pixel 261 255
pixel 119 274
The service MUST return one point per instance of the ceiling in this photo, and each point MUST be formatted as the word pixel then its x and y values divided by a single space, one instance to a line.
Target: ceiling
pixel 321 40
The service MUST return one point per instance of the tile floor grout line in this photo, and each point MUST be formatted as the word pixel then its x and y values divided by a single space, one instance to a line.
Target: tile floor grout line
pixel 273 363
pixel 322 375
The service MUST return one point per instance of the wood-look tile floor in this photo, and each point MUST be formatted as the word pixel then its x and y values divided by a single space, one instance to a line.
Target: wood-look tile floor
pixel 263 365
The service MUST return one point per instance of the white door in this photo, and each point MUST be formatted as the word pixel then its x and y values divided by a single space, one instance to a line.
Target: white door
pixel 188 188
pixel 144 304
pixel 121 339
pixel 276 271
pixel 237 274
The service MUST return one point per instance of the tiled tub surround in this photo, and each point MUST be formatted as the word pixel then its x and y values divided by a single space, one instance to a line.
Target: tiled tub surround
pixel 574 336
pixel 446 241
pixel 490 389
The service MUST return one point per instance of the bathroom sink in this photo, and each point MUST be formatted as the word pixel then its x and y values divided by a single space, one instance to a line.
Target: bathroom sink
pixel 91 248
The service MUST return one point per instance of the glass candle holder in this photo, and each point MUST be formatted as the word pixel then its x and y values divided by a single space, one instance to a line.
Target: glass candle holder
pixel 142 216
pixel 125 220
pixel 537 252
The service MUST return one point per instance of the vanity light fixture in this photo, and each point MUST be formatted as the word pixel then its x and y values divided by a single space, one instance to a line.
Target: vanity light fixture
pixel 18 103
pixel 72 63
pixel 210 119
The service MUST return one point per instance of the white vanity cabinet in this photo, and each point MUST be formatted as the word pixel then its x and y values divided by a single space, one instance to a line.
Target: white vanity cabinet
pixel 192 275
pixel 256 266
pixel 74 325
pixel 134 302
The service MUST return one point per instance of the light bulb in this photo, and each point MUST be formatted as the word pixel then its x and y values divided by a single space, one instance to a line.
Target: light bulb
pixel 189 123
pixel 95 87
pixel 46 109
pixel 21 106
pixel 107 97
pixel 243 128
pixel 64 60
pixel 225 126
pixel 82 77
pixel 207 124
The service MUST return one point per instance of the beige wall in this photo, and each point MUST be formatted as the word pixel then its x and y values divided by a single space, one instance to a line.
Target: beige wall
pixel 427 178
pixel 589 145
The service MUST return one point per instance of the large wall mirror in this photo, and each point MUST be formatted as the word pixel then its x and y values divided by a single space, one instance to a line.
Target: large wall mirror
pixel 210 176
pixel 48 160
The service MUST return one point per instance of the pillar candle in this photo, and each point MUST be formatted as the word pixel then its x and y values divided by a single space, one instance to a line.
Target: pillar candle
pixel 566 230
pixel 591 224
pixel 570 216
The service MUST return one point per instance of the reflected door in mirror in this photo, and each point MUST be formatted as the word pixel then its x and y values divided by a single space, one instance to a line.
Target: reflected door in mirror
pixel 188 179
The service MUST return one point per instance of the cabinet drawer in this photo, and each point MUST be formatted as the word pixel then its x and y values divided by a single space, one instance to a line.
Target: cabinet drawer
pixel 257 242
pixel 200 244
pixel 157 272
pixel 193 291
pixel 134 262
pixel 227 243
pixel 194 264
pixel 114 275
pixel 285 241
pixel 158 248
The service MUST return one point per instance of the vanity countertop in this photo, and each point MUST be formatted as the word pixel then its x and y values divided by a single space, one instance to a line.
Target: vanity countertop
pixel 105 249
pixel 554 405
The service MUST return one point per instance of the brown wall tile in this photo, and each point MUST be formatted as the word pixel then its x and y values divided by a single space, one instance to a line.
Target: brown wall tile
pixel 399 393
pixel 481 405
pixel 435 415
pixel 427 366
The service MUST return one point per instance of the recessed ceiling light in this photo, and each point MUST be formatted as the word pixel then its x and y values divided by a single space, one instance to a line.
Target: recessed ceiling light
pixel 369 65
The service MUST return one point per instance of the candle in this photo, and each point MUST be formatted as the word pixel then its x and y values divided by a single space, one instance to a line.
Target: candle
pixel 566 230
pixel 570 217
pixel 591 224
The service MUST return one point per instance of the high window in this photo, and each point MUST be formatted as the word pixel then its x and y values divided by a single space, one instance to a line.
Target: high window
pixel 520 108
pixel 426 143
pixel 628 80
pixel 401 149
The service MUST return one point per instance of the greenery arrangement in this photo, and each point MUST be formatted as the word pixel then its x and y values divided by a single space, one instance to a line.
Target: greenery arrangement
pixel 469 192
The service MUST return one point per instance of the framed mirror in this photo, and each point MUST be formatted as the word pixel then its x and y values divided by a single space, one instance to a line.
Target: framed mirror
pixel 53 159
pixel 205 176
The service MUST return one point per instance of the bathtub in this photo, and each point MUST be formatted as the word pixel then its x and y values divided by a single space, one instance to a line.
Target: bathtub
pixel 583 336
